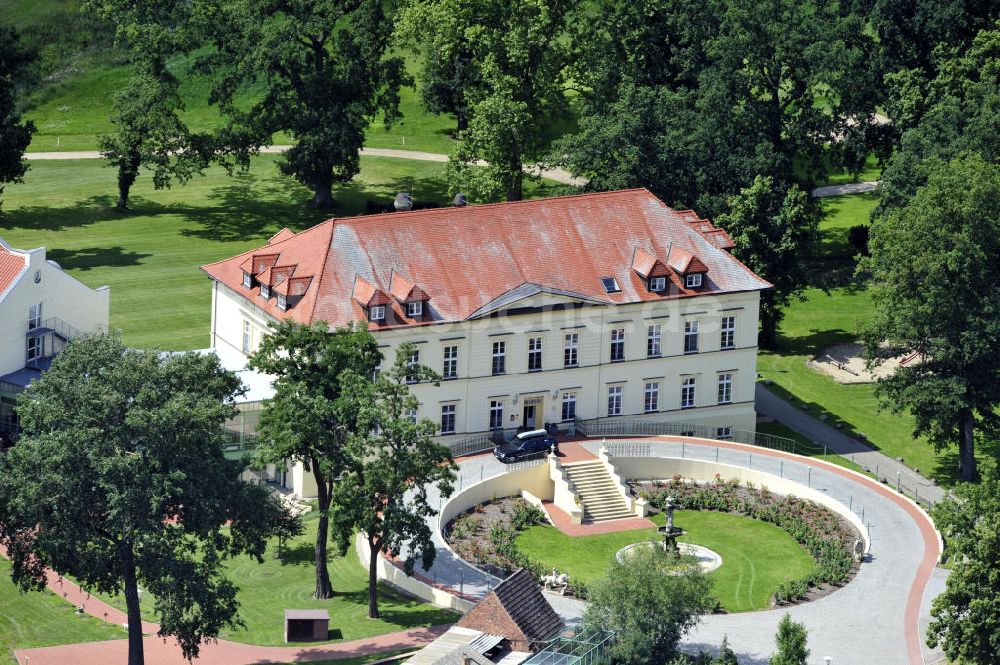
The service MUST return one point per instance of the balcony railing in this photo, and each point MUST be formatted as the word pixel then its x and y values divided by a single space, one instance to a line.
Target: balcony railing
pixel 615 427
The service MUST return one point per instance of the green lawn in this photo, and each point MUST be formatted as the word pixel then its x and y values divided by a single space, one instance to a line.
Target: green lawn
pixel 804 446
pixel 268 589
pixel 150 256
pixel 756 556
pixel 40 619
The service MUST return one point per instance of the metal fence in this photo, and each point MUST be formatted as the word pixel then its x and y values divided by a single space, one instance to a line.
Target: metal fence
pixel 476 443
pixel 613 427
pixel 582 648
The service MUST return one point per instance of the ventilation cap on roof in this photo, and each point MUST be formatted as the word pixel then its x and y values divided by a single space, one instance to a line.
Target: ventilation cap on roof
pixel 403 201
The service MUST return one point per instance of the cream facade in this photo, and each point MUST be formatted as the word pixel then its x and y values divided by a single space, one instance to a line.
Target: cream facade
pixel 551 358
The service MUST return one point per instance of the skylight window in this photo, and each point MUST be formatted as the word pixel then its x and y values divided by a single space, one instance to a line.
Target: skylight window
pixel 610 284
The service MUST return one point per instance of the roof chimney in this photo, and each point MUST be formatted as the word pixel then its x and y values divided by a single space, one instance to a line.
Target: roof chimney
pixel 460 201
pixel 403 202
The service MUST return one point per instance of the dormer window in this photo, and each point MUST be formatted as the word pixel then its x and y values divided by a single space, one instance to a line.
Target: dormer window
pixel 265 291
pixel 376 313
pixel 657 283
pixel 414 309
pixel 693 281
pixel 282 302
pixel 247 280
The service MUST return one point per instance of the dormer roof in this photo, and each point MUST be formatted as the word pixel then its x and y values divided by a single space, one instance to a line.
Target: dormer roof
pixel 684 262
pixel 648 265
pixel 367 294
pixel 405 290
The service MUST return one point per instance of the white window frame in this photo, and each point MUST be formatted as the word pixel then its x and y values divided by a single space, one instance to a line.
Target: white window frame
pixel 496 414
pixel 726 388
pixel 615 400
pixel 34 348
pixel 449 366
pixel 691 336
pixel 657 283
pixel 571 350
pixel 568 412
pixel 411 415
pixel 246 336
pixel 265 291
pixel 414 309
pixel 376 313
pixel 724 432
pixel 617 344
pixel 693 281
pixel 449 416
pixel 654 341
pixel 727 335
pixel 689 390
pixel 534 354
pixel 651 397
pixel 411 365
pixel 34 316
pixel 282 302
pixel 499 363
pixel 247 280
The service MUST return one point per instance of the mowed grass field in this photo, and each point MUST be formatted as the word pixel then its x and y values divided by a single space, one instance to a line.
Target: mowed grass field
pixel 267 589
pixel 756 556
pixel 150 256
pixel 41 619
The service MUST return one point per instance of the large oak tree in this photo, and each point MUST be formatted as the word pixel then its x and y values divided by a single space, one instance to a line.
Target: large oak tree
pixel 15 133
pixel 119 480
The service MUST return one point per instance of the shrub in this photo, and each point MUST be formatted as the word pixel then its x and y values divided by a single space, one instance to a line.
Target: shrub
pixel 858 237
pixel 524 514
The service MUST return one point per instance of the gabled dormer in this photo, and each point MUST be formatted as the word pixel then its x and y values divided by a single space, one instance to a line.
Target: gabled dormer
pixel 688 267
pixel 652 270
pixel 374 300
pixel 413 300
pixel 254 266
pixel 289 291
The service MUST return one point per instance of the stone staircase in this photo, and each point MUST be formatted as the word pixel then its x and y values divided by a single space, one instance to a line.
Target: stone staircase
pixel 598 494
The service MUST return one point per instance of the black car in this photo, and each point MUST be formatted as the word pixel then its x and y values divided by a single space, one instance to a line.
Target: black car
pixel 536 443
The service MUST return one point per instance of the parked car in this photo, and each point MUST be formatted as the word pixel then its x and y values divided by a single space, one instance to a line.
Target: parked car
pixel 536 443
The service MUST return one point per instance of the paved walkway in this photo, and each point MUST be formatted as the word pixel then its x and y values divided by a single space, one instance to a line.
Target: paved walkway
pixel 848 188
pixel 558 175
pixel 159 651
pixel 878 618
pixel 815 430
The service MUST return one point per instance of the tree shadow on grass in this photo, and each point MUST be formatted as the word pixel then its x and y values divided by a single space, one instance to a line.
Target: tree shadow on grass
pixel 298 554
pixel 47 218
pixel 396 608
pixel 813 343
pixel 88 258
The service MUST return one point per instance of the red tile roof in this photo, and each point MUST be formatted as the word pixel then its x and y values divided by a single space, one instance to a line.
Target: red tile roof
pixel 466 257
pixel 648 265
pixel 11 265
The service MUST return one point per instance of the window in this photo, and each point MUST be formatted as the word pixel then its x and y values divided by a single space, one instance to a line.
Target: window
pixel 610 284
pixel 450 368
pixel 34 316
pixel 571 351
pixel 411 366
pixel 411 415
pixel 690 337
pixel 247 280
pixel 499 357
pixel 534 354
pixel 569 407
pixel 282 302
pixel 653 341
pixel 725 388
pixel 34 347
pixel 617 344
pixel 651 402
pixel 414 309
pixel 689 432
pixel 657 283
pixel 728 340
pixel 265 291
pixel 496 414
pixel 377 313
pixel 246 337
pixel 724 432
pixel 687 393
pixel 447 418
pixel 615 400
pixel 693 281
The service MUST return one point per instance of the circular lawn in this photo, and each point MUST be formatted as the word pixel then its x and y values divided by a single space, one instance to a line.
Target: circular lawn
pixel 756 556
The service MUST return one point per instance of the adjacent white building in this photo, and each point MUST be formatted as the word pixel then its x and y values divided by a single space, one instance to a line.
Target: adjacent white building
pixel 41 308
pixel 562 310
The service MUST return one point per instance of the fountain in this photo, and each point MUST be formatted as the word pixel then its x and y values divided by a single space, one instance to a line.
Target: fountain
pixel 670 531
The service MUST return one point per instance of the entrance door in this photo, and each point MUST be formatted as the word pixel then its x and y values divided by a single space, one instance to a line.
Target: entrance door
pixel 529 416
pixel 532 413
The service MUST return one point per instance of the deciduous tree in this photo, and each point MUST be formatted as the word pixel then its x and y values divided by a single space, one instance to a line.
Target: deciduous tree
pixel 305 420
pixel 326 71
pixel 119 480
pixel 15 133
pixel 392 462
pixel 934 278
pixel 648 607
pixel 774 226
pixel 965 617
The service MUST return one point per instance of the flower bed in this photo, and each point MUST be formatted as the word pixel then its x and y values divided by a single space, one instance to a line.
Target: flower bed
pixel 827 537
pixel 486 535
